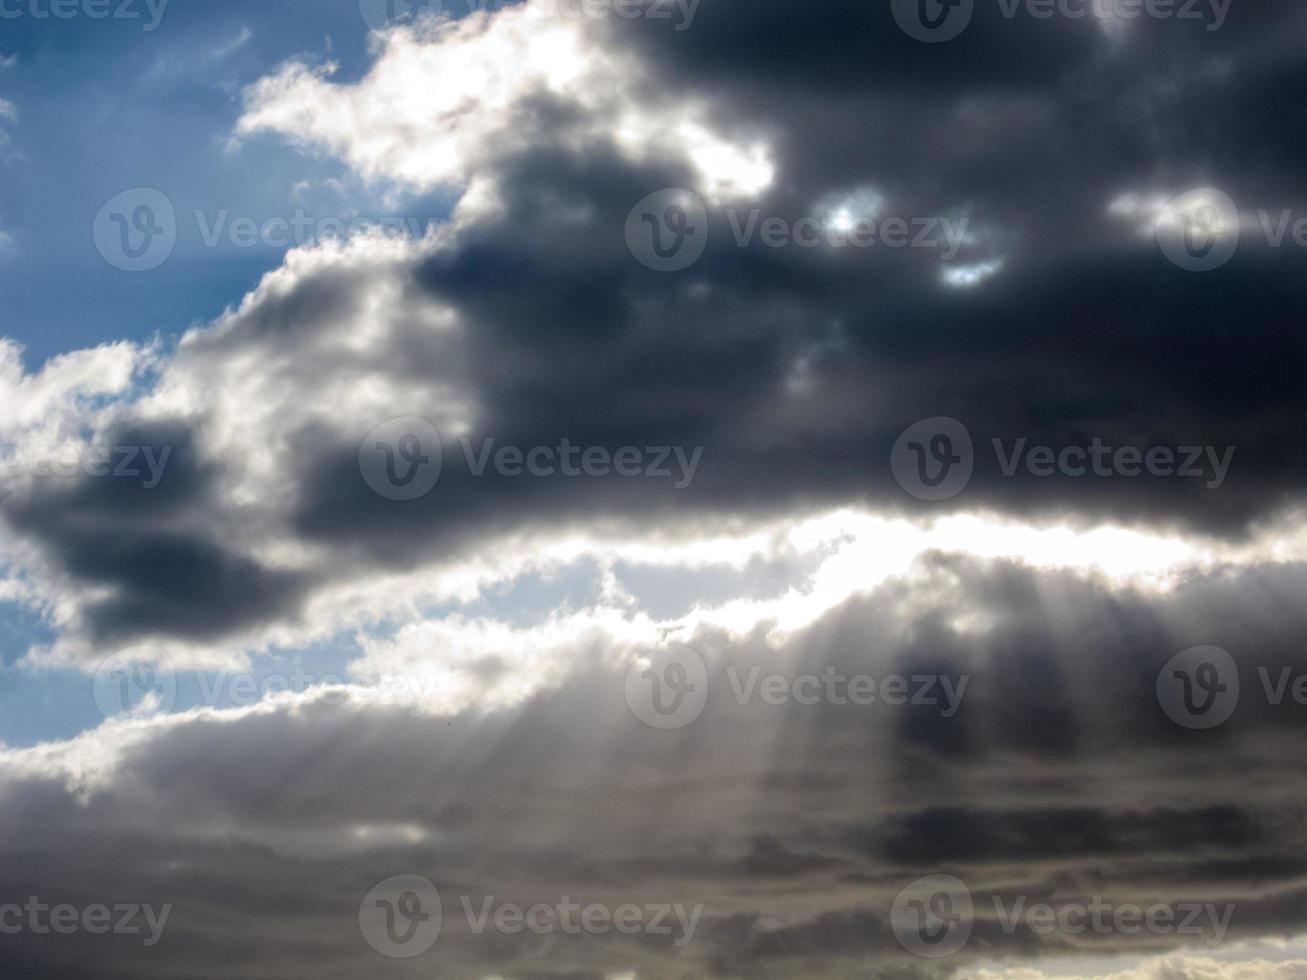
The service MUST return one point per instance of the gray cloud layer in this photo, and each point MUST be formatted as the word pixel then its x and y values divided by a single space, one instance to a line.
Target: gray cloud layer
pixel 1059 779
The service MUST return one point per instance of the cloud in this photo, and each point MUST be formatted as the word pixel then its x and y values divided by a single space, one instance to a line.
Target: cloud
pixel 514 608
pixel 794 372
pixel 444 98
pixel 794 825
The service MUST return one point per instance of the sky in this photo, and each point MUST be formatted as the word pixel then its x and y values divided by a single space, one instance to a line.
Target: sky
pixel 630 489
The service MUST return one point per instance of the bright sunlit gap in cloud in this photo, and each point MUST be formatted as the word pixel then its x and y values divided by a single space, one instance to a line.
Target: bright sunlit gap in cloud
pixel 844 211
pixel 966 276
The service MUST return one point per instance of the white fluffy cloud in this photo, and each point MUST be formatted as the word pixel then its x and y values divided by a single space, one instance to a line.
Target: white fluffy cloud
pixel 445 97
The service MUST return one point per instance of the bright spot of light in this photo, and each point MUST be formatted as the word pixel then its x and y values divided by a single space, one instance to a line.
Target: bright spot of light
pixel 966 276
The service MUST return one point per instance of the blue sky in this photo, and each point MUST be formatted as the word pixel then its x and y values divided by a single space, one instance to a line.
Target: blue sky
pixel 104 106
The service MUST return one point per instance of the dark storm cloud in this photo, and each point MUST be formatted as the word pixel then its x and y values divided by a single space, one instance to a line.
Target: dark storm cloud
pixel 794 369
pixel 130 528
pixel 944 835
pixel 1087 332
